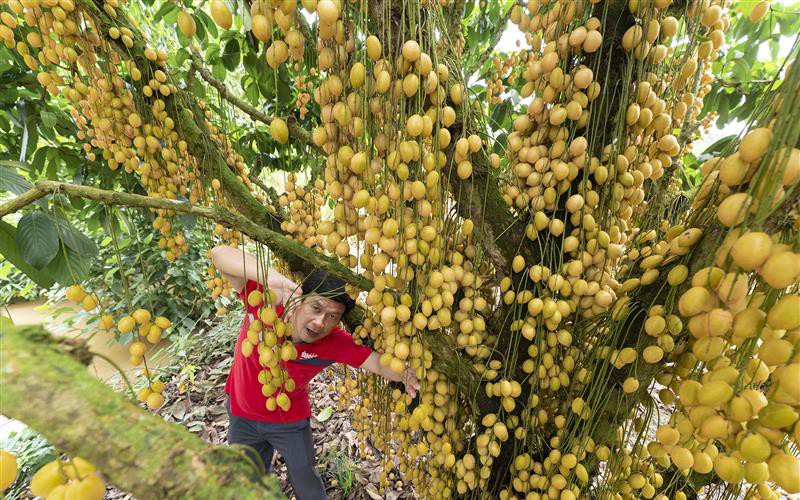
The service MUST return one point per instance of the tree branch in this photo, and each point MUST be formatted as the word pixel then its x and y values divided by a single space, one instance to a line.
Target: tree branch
pixel 275 240
pixel 137 451
pixel 295 130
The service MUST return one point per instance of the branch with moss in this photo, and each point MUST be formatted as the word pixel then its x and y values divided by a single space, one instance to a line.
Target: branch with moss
pixel 135 450
pixel 295 131
pixel 278 242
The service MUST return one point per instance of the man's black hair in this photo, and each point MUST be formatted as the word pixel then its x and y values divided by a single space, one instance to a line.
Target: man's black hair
pixel 322 283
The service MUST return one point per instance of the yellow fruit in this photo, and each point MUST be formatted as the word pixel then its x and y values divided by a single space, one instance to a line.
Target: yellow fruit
pixel 162 322
pixel 8 469
pixel 186 24
pixel 255 298
pixel 374 48
pixel 755 144
pixel 283 401
pixel 751 250
pixel 733 169
pixel 141 316
pixel 154 401
pixel 137 348
pixel 90 487
pixel 733 209
pixel 759 11
pixel 327 11
pixel 781 270
pixel 677 275
pixel 46 479
pixel 790 166
pixel 89 303
pixel 756 472
pixel 748 322
pixel 75 293
pixel 262 29
pixel 411 50
pixel 357 74
pixel 729 469
pixel 789 378
pixel 279 130
pixel 681 458
pixel 126 324
pixel 695 300
pixel 221 14
pixel 784 470
pixel 457 94
pixel 785 314
pixel 755 448
pixel 715 393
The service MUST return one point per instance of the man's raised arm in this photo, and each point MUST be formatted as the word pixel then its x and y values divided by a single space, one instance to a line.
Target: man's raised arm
pixel 238 266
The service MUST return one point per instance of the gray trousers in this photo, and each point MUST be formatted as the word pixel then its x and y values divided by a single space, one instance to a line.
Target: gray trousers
pixel 292 440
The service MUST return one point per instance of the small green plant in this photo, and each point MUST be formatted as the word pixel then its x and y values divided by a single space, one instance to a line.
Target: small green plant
pixel 32 452
pixel 341 469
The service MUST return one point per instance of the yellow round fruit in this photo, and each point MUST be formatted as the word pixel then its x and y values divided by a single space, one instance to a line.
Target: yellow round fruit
pixel 186 24
pixel 155 400
pixel 279 130
pixel 8 469
pixel 733 209
pixel 751 250
pixel 75 293
pixel 781 270
pixel 411 50
pixel 221 15
pixel 47 479
pixel 785 314
pixel 89 302
pixel 261 27
pixel 755 448
pixel 327 11
pixel 729 468
pixel 162 322
pixel 784 470
pixel 141 316
pixel 126 324
pixel 755 144
pixel 681 458
pixel 374 48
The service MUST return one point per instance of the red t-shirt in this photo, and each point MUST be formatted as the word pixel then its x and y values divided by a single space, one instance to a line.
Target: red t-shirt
pixel 244 388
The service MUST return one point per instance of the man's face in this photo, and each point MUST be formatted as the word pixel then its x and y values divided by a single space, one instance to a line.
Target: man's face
pixel 314 318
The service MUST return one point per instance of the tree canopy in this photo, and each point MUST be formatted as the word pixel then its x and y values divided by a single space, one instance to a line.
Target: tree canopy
pixel 593 310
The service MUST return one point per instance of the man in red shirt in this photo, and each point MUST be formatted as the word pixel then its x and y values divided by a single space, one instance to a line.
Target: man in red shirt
pixel 314 316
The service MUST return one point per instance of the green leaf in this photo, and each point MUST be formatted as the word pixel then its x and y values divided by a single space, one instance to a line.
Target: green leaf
pixel 741 71
pixel 75 239
pixel 231 55
pixel 325 414
pixel 37 239
pixel 165 9
pixel 68 267
pixel 11 181
pixel 48 120
pixel 9 250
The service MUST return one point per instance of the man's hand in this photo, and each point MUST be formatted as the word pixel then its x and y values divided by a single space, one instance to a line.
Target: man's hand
pixel 409 378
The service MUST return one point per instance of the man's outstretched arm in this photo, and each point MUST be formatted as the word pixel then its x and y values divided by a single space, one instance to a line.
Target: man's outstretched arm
pixel 238 266
pixel 408 376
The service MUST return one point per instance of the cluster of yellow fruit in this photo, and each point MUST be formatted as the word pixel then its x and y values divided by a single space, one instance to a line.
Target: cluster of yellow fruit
pixel 102 104
pixel 151 394
pixel 76 294
pixel 68 479
pixel 268 336
pixel 304 210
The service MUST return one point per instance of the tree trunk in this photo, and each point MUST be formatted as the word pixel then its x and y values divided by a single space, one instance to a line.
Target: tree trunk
pixel 52 392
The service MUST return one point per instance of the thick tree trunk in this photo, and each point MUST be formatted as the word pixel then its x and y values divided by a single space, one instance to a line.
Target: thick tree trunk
pixel 52 392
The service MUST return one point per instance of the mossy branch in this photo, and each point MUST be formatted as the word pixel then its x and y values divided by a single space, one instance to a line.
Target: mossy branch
pixel 296 132
pixel 276 241
pixel 139 452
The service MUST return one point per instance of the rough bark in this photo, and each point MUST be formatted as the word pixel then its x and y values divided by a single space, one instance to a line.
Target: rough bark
pixel 135 450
